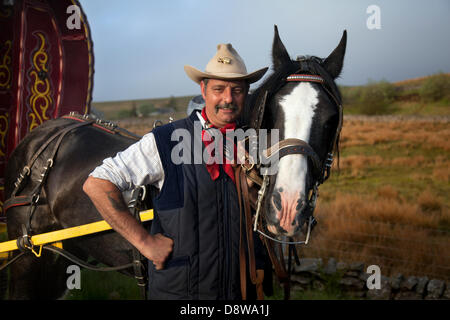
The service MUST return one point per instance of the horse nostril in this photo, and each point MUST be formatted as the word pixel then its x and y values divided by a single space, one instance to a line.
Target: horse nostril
pixel 301 204
pixel 276 197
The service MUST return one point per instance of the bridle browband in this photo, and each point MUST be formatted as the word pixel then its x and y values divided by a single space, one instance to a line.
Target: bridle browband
pixel 306 73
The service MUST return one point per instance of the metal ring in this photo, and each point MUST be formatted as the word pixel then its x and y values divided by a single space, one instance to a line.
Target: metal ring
pixel 144 193
pixel 35 198
pixel 26 170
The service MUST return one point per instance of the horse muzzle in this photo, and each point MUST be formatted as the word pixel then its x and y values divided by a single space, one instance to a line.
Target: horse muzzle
pixel 285 214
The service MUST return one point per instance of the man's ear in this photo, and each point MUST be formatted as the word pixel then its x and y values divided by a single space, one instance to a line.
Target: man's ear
pixel 203 88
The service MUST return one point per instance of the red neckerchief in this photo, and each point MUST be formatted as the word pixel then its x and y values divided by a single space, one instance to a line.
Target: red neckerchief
pixel 211 165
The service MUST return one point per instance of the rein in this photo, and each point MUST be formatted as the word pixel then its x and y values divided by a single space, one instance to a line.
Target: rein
pixel 248 171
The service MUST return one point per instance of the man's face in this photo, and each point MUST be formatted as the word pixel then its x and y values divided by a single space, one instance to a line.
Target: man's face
pixel 224 100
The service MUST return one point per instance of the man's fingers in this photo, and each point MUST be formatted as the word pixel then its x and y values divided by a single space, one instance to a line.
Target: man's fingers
pixel 160 251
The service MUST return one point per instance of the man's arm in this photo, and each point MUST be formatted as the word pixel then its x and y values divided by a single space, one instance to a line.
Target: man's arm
pixel 109 201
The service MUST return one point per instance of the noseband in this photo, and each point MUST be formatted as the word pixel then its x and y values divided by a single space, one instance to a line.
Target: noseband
pixel 290 146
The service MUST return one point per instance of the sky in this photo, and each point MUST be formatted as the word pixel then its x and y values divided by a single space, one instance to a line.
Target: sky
pixel 141 46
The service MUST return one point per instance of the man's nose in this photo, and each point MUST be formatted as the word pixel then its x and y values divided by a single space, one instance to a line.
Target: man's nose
pixel 227 95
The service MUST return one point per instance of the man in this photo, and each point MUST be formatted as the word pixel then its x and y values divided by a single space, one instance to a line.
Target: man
pixel 193 245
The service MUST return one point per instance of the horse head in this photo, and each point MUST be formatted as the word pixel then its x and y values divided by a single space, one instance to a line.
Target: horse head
pixel 302 101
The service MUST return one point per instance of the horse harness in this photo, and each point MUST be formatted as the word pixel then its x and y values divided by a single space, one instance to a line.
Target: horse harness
pixel 248 171
pixel 24 242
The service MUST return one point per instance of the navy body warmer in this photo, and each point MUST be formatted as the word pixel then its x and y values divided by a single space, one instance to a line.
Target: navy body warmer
pixel 202 217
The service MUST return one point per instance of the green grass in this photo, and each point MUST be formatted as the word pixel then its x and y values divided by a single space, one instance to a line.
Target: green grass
pixel 96 285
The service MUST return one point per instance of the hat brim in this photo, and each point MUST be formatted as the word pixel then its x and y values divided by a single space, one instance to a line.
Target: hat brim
pixel 197 75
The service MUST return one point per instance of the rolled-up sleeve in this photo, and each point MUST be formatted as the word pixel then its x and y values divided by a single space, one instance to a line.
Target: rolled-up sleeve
pixel 139 164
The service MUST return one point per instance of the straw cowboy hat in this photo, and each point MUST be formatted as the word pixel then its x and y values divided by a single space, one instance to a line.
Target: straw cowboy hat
pixel 225 65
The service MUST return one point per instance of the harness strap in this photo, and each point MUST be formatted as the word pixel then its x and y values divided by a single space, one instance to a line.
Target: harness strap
pixel 260 116
pixel 305 78
pixel 248 229
pixel 36 192
pixel 242 260
pixel 256 276
pixel 293 146
pixel 280 270
pixel 18 201
pixel 139 265
pixel 61 133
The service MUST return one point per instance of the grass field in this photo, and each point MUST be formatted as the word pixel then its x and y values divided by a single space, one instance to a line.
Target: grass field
pixel 388 204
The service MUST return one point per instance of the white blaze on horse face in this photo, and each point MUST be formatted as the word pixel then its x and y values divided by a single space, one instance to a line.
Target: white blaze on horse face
pixel 299 109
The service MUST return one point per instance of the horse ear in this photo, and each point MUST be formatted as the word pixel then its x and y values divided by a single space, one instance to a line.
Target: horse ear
pixel 333 64
pixel 280 55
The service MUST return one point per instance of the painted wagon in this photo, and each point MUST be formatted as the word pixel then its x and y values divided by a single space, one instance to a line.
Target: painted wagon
pixel 46 70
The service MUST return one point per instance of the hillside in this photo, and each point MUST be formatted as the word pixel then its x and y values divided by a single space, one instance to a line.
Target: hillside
pixel 419 96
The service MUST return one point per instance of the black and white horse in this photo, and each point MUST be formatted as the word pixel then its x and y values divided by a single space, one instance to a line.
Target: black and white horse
pixel 302 101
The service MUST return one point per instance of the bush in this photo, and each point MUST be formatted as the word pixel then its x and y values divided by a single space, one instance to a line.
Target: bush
pixel 122 114
pixel 172 103
pixel 146 109
pixel 435 87
pixel 376 97
pixel 350 95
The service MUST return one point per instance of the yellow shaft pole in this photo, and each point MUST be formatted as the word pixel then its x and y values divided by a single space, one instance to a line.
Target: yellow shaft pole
pixel 64 234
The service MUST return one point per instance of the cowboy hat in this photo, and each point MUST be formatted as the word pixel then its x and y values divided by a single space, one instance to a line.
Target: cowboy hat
pixel 225 65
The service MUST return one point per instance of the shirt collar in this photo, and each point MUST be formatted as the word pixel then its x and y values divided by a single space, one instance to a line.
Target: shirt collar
pixel 202 121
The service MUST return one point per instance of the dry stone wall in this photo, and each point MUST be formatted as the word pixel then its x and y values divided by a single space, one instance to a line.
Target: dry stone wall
pixel 351 278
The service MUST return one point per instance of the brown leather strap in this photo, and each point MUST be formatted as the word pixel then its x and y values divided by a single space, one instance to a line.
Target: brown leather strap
pixel 293 146
pixel 286 281
pixel 259 284
pixel 242 262
pixel 256 276
pixel 279 268
pixel 248 228
pixel 252 175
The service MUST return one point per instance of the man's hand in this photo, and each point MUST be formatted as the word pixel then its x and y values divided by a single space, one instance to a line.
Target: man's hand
pixel 157 249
